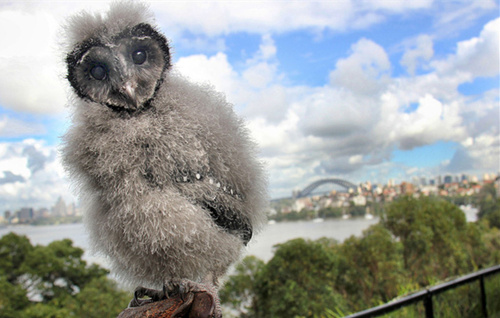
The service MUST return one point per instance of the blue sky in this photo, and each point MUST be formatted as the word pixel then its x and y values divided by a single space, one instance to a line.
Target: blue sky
pixel 360 90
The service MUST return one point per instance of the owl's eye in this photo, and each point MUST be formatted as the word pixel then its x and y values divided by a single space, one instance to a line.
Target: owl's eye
pixel 98 72
pixel 139 57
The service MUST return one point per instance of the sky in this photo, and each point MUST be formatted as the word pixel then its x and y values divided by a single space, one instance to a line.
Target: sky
pixel 355 89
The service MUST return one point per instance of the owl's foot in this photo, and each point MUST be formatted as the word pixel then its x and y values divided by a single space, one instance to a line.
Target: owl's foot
pixel 153 294
pixel 184 287
pixel 202 299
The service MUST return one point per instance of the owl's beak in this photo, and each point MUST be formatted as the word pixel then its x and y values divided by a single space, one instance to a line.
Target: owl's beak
pixel 129 91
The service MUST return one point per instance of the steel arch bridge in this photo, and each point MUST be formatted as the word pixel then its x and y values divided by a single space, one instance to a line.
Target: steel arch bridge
pixel 310 188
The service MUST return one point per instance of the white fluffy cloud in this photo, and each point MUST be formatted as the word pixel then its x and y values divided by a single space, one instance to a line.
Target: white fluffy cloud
pixel 31 76
pixel 353 123
pixel 477 56
pixel 31 175
pixel 348 126
pixel 10 127
pixel 421 52
pixel 365 71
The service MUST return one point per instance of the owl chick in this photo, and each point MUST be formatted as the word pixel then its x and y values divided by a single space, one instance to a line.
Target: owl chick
pixel 166 172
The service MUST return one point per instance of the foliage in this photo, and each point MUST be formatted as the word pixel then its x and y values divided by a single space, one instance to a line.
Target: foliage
pixel 12 298
pixel 372 268
pixel 238 291
pixel 419 242
pixel 488 202
pixel 293 282
pixel 431 233
pixel 53 281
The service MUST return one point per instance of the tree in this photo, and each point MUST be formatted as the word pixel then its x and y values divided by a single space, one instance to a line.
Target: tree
pixel 12 298
pixel 57 270
pixel 239 290
pixel 493 217
pixel 488 202
pixel 418 242
pixel 53 281
pixel 13 252
pixel 371 269
pixel 298 281
pixel 99 298
pixel 431 231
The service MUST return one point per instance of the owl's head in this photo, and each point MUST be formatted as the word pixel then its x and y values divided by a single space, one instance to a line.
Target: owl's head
pixel 117 60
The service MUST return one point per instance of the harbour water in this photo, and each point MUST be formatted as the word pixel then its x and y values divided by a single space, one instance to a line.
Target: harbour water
pixel 261 245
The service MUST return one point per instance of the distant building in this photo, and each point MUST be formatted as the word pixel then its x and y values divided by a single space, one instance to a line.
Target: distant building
pixel 448 179
pixel 302 203
pixel 497 185
pixel 407 188
pixel 429 190
pixel 440 180
pixel 59 209
pixel 42 213
pixel 25 215
pixel 423 181
pixel 359 200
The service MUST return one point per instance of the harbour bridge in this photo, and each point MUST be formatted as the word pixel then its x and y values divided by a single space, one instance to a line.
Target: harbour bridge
pixel 310 188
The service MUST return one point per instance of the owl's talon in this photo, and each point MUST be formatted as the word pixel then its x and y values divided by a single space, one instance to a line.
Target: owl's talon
pixel 153 294
pixel 165 292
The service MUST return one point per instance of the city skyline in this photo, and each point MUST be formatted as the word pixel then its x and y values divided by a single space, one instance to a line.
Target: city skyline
pixel 357 90
pixel 60 208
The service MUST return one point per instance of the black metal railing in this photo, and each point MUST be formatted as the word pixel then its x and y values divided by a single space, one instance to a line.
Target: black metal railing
pixel 426 296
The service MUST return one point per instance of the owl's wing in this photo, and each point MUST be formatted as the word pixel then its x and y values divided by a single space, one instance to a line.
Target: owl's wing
pixel 224 214
pixel 230 220
pixel 223 206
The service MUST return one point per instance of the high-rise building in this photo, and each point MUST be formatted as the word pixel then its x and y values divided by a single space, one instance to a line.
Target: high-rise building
pixel 423 181
pixel 25 215
pixel 59 209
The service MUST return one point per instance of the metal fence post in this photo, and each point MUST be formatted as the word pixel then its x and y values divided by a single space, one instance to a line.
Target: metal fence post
pixel 483 297
pixel 429 311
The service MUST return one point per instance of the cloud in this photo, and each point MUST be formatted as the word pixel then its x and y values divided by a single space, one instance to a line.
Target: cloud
pixel 37 158
pixel 453 16
pixel 9 177
pixel 421 51
pixel 432 121
pixel 256 90
pixel 400 5
pixel 11 127
pixel 30 80
pixel 350 126
pixel 477 56
pixel 336 113
pixel 31 175
pixel 214 18
pixel 365 71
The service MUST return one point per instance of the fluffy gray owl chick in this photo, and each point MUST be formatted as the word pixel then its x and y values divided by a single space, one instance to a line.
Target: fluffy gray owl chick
pixel 167 173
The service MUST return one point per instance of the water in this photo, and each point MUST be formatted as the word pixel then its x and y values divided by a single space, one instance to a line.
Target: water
pixel 44 234
pixel 261 246
pixel 339 229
